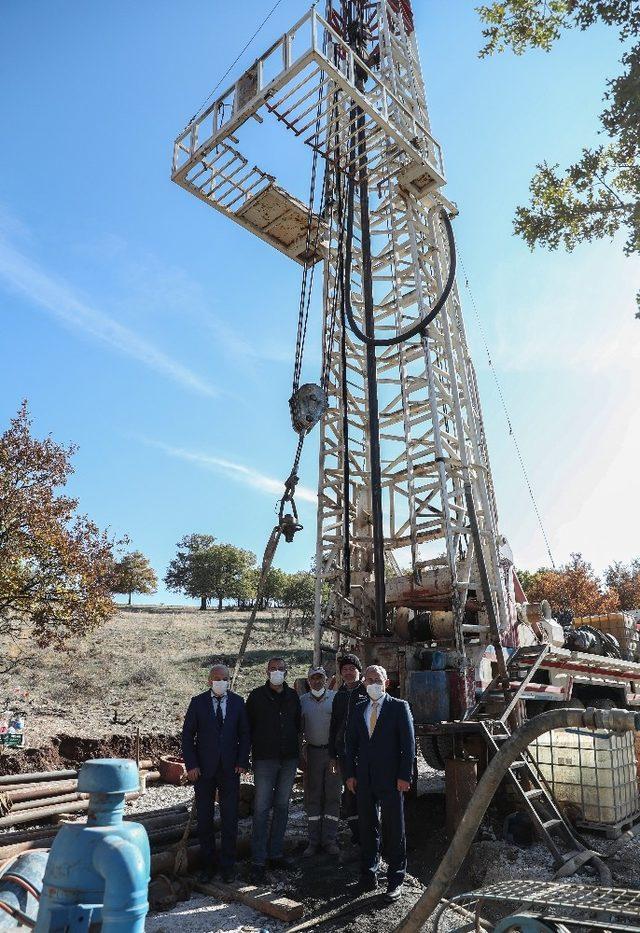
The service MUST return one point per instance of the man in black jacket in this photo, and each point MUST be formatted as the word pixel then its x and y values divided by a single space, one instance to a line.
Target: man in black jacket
pixel 351 691
pixel 275 723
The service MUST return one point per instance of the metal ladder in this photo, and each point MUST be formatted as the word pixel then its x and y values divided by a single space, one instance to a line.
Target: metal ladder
pixel 546 818
pixel 521 667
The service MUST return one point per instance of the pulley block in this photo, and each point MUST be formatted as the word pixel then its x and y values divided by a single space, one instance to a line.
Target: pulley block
pixel 307 405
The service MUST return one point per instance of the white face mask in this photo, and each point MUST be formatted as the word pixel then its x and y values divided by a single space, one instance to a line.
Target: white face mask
pixel 219 687
pixel 375 691
pixel 319 693
pixel 276 678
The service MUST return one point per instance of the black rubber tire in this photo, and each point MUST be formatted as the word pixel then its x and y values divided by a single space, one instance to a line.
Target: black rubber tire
pixel 564 704
pixel 603 703
pixel 436 749
pixel 430 753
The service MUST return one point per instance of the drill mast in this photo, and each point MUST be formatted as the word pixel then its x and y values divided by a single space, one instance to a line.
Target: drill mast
pixel 407 539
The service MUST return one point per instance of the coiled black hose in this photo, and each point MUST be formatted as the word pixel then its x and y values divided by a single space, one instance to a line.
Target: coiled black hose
pixel 421 325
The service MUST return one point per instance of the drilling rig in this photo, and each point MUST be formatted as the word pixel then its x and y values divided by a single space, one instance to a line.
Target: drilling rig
pixel 411 567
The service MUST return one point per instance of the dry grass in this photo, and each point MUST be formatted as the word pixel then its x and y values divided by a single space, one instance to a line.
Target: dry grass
pixel 146 665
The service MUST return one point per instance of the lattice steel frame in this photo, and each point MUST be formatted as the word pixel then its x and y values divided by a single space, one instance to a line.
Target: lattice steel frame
pixel 431 430
pixel 431 426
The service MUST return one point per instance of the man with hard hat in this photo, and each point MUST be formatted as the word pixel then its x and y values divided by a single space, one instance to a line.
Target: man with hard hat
pixel 322 785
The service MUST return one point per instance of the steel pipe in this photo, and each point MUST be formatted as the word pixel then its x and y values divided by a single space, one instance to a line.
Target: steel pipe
pixel 159 829
pixel 17 781
pixel 36 776
pixel 41 802
pixel 35 791
pixel 42 813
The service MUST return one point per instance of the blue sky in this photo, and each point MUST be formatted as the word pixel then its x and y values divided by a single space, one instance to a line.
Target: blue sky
pixel 159 336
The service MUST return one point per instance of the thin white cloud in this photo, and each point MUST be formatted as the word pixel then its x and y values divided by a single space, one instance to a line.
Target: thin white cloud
pixel 235 471
pixel 59 299
pixel 564 314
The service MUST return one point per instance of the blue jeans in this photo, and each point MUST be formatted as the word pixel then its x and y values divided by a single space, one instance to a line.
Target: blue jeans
pixel 273 780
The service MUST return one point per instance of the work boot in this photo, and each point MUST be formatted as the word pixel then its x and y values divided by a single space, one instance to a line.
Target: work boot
pixel 207 875
pixel 311 850
pixel 330 836
pixel 393 893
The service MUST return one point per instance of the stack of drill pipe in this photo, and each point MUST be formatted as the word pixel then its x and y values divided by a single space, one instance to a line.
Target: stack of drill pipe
pixel 35 801
pixel 25 792
pixel 163 826
pixel 9 782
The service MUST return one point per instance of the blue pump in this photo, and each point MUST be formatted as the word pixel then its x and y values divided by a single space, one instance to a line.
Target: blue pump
pixel 98 873
pixel 20 887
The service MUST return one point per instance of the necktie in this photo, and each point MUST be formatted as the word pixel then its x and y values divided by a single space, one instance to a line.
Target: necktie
pixel 373 718
pixel 219 718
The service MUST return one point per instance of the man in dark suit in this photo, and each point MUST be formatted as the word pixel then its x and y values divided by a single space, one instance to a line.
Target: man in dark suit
pixel 215 748
pixel 380 753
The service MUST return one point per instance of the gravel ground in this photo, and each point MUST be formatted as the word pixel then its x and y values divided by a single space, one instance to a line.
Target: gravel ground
pixel 161 795
pixel 206 915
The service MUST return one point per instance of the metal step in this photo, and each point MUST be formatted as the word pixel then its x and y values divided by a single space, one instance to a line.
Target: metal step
pixel 554 822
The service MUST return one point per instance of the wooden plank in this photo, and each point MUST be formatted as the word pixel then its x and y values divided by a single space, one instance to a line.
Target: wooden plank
pixel 265 902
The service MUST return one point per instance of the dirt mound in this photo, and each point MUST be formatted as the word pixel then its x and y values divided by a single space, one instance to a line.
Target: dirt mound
pixel 70 751
pixel 22 761
pixel 74 750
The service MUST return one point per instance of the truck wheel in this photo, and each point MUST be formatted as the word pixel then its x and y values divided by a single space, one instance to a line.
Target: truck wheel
pixel 430 753
pixel 603 703
pixel 564 704
pixel 436 749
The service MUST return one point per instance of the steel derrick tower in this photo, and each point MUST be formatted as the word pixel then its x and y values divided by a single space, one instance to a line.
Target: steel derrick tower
pixel 407 539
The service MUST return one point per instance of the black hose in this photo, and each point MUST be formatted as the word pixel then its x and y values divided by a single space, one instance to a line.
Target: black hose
pixel 616 720
pixel 420 326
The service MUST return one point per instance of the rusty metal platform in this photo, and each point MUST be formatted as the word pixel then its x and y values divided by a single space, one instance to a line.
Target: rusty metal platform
pixel 575 905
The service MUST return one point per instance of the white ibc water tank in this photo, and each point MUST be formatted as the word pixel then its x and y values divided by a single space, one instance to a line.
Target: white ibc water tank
pixel 593 771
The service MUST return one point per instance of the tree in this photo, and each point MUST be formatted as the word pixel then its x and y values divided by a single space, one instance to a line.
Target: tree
pixel 133 574
pixel 298 597
pixel 600 193
pixel 272 590
pixel 228 566
pixel 573 588
pixel 55 564
pixel 528 578
pixel 624 579
pixel 187 572
pixel 205 570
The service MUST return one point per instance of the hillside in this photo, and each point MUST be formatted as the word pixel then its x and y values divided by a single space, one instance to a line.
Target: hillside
pixel 141 668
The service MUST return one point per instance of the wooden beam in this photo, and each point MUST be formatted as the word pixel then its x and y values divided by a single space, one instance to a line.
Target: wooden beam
pixel 265 902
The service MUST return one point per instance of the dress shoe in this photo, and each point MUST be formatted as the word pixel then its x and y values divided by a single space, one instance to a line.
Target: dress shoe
pixel 258 874
pixel 283 862
pixel 366 884
pixel 393 894
pixel 228 875
pixel 207 875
